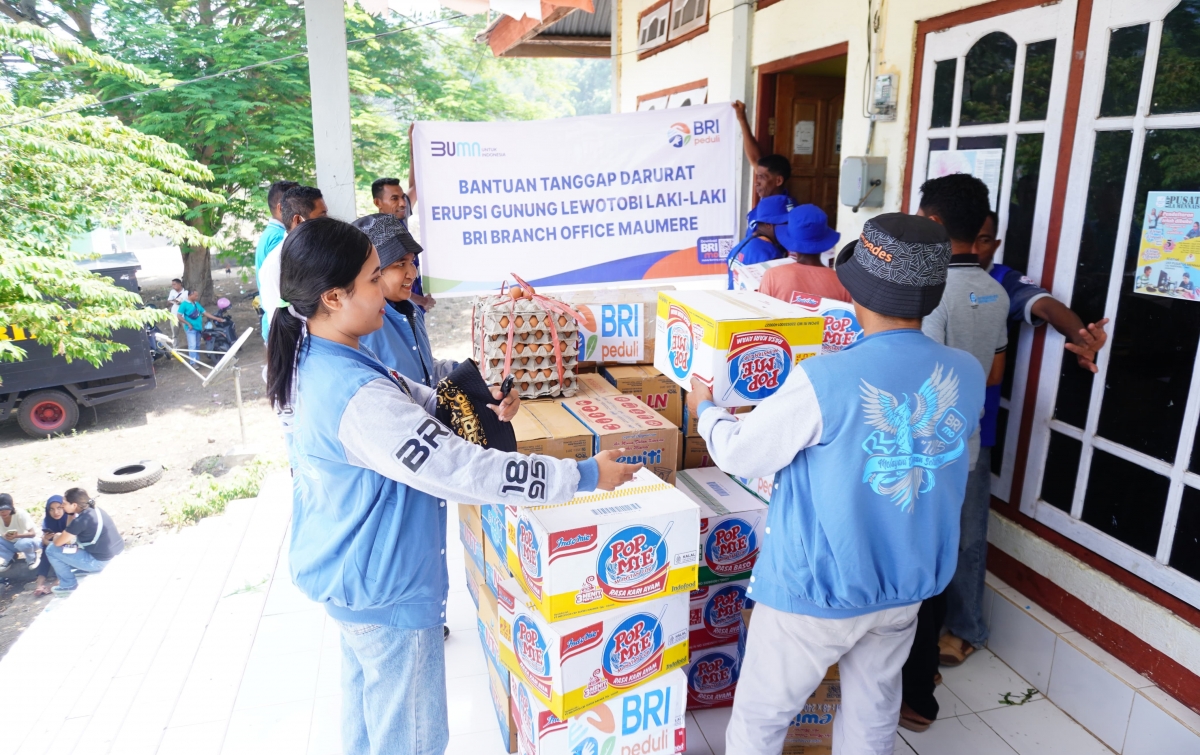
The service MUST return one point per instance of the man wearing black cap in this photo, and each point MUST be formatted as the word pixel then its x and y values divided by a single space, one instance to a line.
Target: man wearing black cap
pixel 868 447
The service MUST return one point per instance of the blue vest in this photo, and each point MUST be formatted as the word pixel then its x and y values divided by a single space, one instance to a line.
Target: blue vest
pixel 401 346
pixel 371 549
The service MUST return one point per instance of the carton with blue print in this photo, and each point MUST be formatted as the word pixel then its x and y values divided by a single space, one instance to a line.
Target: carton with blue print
pixel 841 328
pixel 732 524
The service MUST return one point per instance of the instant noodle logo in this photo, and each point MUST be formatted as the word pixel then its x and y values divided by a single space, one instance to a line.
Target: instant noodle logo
pixel 530 649
pixel 678 135
pixel 808 301
pixel 732 547
pixel 841 330
pixel 723 611
pixel 634 651
pixel 530 557
pixel 634 563
pixel 679 341
pixel 759 361
pixel 712 678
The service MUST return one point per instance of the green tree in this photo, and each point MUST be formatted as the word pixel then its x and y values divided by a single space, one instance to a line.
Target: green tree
pixel 63 173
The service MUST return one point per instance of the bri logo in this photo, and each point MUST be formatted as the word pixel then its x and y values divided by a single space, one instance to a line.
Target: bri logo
pixel 634 563
pixel 634 651
pixel 454 149
pixel 732 547
pixel 678 135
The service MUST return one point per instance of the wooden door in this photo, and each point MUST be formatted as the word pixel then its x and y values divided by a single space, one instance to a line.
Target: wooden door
pixel 808 130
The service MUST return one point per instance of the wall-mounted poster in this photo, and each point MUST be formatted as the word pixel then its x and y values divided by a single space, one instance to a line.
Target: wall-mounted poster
pixel 1169 253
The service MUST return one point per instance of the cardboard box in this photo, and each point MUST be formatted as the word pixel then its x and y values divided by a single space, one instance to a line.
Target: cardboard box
pixel 731 524
pixel 601 550
pixel 695 455
pixel 742 344
pixel 574 665
pixel 470 532
pixel 499 686
pixel 712 677
pixel 594 384
pixel 617 324
pixel 495 566
pixel 475 581
pixel 625 422
pixel 811 731
pixel 715 615
pixel 545 427
pixel 749 277
pixel 493 526
pixel 841 326
pixel 488 621
pixel 655 389
pixel 761 487
pixel 648 720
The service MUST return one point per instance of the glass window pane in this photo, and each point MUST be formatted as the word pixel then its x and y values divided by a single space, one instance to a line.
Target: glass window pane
pixel 985 142
pixel 943 93
pixel 1039 70
pixel 939 145
pixel 1125 501
pixel 1185 551
pixel 988 80
pixel 1175 89
pixel 1094 266
pixel 1123 75
pixel 1062 465
pixel 1153 346
pixel 1022 199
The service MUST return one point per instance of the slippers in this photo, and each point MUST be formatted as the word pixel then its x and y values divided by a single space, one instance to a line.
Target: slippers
pixel 952 651
pixel 913 721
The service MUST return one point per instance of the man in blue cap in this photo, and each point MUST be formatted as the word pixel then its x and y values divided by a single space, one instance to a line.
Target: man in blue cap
pixel 806 236
pixel 760 244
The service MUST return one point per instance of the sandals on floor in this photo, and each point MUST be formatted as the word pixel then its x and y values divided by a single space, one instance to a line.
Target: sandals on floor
pixel 911 720
pixel 952 651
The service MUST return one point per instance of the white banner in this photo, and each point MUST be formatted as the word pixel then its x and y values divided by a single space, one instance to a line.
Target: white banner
pixel 633 196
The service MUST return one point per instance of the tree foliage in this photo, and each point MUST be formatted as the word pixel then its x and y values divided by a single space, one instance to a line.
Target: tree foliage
pixel 63 173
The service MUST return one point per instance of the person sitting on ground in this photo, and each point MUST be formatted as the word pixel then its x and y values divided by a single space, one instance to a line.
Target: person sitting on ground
pixel 806 236
pixel 87 544
pixel 17 535
pixel 299 204
pixel 390 199
pixel 54 522
pixel 191 315
pixel 760 245
pixel 868 450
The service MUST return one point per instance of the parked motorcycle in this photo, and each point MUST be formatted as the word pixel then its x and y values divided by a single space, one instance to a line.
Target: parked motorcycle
pixel 218 336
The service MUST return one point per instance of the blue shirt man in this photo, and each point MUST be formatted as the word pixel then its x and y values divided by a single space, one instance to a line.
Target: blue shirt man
pixel 273 234
pixel 760 245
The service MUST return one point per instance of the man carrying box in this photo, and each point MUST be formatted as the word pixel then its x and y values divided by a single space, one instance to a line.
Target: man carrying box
pixel 869 450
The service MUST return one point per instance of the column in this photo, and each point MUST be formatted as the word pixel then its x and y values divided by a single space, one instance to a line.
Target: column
pixel 328 72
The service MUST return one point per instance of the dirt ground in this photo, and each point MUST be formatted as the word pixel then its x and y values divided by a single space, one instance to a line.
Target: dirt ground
pixel 181 425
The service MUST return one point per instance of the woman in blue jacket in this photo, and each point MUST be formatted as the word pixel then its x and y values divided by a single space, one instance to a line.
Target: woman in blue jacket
pixel 369 465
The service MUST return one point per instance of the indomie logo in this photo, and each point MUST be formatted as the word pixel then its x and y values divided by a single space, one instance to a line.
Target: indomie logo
pixel 454 149
pixel 808 301
pixel 759 361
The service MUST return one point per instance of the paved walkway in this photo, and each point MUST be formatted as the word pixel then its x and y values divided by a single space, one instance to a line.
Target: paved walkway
pixel 199 644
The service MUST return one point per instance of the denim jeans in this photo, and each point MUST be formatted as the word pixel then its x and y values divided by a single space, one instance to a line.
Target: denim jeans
pixel 193 339
pixel 63 563
pixel 964 594
pixel 26 545
pixel 393 690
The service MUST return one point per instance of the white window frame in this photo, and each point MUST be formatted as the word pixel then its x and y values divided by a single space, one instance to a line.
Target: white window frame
pixel 1056 21
pixel 663 14
pixel 1107 15
pixel 658 103
pixel 697 96
pixel 700 19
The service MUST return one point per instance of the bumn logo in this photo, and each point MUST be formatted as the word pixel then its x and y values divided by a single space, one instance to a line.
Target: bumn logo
pixel 454 149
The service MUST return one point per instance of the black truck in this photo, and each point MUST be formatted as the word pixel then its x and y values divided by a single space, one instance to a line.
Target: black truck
pixel 45 391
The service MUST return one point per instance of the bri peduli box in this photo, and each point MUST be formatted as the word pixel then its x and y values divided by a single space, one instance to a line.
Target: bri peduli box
pixel 712 677
pixel 732 522
pixel 636 543
pixel 625 422
pixel 716 615
pixel 742 344
pixel 648 720
pixel 573 665
pixel 841 328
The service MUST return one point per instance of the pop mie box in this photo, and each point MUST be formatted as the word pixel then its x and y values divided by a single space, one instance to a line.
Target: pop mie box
pixel 732 521
pixel 636 543
pixel 573 665
pixel 648 720
pixel 625 422
pixel 715 616
pixel 712 677
pixel 742 344
pixel 841 327
pixel 499 686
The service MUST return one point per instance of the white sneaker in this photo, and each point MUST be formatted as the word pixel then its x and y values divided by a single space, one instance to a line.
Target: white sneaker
pixel 4 564
pixel 37 560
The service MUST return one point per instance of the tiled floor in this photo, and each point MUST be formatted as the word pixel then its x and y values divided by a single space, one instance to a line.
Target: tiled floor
pixel 199 644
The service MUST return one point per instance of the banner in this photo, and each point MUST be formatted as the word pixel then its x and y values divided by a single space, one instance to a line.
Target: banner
pixel 1169 253
pixel 597 199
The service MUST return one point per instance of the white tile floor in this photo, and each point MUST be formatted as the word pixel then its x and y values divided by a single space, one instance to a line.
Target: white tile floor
pixel 199 644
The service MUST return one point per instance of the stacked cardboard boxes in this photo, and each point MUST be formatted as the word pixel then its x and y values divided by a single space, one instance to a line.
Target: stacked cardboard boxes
pixel 624 422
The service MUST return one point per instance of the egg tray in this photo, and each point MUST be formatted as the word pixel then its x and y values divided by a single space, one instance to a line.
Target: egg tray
pixel 529 320
pixel 529 389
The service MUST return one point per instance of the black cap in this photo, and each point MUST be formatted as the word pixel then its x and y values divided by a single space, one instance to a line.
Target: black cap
pixel 6 502
pixel 390 237
pixel 897 267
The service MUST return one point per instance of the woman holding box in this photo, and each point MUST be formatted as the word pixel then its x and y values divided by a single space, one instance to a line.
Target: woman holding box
pixel 369 463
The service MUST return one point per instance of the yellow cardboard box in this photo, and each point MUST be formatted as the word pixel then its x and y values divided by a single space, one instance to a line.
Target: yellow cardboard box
pixel 655 389
pixel 545 427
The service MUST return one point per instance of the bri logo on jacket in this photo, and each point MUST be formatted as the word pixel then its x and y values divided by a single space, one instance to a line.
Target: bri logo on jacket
pixel 914 436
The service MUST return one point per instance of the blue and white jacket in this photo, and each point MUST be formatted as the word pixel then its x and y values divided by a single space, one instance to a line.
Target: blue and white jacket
pixel 868 446
pixel 403 344
pixel 370 464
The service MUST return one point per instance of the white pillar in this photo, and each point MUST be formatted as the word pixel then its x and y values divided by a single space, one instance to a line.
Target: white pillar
pixel 742 88
pixel 329 80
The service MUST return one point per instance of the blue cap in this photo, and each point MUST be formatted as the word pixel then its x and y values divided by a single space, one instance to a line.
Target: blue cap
pixel 807 231
pixel 772 209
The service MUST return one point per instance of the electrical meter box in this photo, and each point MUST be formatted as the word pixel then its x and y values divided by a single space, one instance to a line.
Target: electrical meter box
pixel 858 175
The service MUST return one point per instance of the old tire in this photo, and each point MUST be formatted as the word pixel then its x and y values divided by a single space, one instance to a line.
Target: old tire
pixel 46 413
pixel 126 478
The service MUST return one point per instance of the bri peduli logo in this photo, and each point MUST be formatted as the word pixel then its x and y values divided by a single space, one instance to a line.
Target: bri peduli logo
pixel 634 563
pixel 759 361
pixel 530 557
pixel 634 651
pixel 731 547
pixel 678 135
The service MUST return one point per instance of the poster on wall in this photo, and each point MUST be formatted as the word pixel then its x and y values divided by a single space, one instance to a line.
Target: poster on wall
pixel 577 201
pixel 985 164
pixel 1169 253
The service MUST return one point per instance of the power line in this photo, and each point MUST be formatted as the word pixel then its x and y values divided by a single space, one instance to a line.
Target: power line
pixel 221 74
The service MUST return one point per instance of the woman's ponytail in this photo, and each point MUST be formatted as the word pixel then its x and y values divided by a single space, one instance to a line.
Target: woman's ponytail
pixel 317 256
